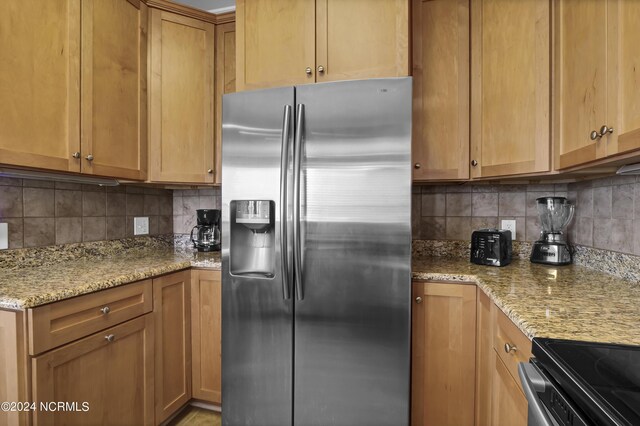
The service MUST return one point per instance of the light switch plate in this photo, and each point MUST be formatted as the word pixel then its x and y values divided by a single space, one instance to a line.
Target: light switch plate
pixel 4 236
pixel 140 226
pixel 511 226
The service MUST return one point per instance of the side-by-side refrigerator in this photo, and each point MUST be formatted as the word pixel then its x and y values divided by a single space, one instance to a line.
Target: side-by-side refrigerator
pixel 316 255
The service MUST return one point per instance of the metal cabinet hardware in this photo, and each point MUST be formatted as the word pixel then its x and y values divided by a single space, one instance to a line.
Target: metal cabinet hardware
pixel 105 310
pixel 76 155
pixel 89 157
pixel 474 163
pixel 603 132
pixel 418 299
pixel 109 338
pixel 210 171
pixel 509 348
pixel 308 70
pixel 320 69
pixel 417 166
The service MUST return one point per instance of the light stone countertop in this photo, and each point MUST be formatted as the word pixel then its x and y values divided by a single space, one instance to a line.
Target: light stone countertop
pixel 570 302
pixel 564 302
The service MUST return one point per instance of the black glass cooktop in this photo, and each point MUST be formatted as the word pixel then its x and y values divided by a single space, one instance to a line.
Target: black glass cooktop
pixel 602 379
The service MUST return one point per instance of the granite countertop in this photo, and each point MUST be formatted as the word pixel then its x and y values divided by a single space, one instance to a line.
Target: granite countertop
pixel 571 302
pixel 29 287
pixel 565 302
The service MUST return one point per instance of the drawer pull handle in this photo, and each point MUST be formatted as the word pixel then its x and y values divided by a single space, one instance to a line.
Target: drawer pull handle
pixel 105 310
pixel 509 348
pixel 109 338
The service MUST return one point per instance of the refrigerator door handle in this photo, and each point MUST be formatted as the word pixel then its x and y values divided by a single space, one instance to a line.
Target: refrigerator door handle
pixel 297 157
pixel 284 166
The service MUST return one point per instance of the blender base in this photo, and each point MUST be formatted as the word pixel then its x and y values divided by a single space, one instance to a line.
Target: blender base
pixel 557 253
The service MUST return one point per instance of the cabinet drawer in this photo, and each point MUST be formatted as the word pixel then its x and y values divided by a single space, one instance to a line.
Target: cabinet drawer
pixel 62 322
pixel 507 333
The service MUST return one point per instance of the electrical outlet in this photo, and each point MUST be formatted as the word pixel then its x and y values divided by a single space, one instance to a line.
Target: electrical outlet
pixel 140 226
pixel 4 236
pixel 511 226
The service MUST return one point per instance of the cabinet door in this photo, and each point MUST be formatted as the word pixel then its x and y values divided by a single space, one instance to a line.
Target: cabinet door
pixel 275 43
pixel 40 84
pixel 510 90
pixel 623 76
pixel 172 314
pixel 485 357
pixel 114 88
pixel 580 80
pixel 443 354
pixel 359 39
pixel 440 89
pixel 13 358
pixel 181 99
pixel 112 371
pixel 225 80
pixel 206 334
pixel 509 405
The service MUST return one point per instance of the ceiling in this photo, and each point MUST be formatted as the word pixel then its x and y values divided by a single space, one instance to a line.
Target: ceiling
pixel 214 6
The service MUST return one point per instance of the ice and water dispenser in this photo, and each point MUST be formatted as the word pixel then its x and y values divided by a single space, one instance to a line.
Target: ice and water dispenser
pixel 252 236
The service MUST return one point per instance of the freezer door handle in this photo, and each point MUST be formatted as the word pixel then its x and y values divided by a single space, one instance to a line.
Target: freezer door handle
pixel 297 157
pixel 284 166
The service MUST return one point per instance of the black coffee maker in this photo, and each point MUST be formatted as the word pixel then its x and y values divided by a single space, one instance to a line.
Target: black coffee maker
pixel 207 231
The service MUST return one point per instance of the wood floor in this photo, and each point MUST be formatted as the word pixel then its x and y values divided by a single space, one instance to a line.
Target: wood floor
pixel 195 416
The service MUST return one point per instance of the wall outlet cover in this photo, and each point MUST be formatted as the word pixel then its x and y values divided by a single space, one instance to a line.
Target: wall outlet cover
pixel 140 226
pixel 511 226
pixel 4 236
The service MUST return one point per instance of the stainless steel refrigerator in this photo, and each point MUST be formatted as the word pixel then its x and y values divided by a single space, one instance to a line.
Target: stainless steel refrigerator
pixel 316 255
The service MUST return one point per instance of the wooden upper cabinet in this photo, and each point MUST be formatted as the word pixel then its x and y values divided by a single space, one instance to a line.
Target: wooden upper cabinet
pixel 289 42
pixel 40 84
pixel 597 80
pixel 358 39
pixel 225 80
pixel 443 354
pixel 114 88
pixel 181 99
pixel 510 87
pixel 440 90
pixel 275 43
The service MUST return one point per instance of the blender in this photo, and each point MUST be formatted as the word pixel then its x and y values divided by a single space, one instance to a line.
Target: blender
pixel 552 247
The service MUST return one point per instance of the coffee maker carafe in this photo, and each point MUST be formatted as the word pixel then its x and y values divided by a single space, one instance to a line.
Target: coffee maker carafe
pixel 207 231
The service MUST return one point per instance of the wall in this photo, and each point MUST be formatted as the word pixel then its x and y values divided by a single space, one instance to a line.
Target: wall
pixel 187 201
pixel 43 213
pixel 607 211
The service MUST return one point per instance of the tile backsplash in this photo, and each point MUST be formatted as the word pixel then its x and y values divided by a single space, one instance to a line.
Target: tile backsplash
pixel 44 213
pixel 607 211
pixel 187 201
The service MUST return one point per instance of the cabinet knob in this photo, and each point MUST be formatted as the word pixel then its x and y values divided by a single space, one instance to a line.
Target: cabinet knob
pixel 604 130
pixel 595 135
pixel 418 299
pixel 320 69
pixel 308 70
pixel 109 338
pixel 210 171
pixel 417 166
pixel 76 155
pixel 105 310
pixel 89 157
pixel 509 348
pixel 474 163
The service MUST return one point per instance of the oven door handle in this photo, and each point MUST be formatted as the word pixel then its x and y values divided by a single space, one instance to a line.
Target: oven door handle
pixel 532 382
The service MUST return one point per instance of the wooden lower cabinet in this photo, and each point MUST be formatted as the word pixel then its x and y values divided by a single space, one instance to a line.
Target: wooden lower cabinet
pixel 443 354
pixel 172 316
pixel 111 371
pixel 206 335
pixel 508 403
